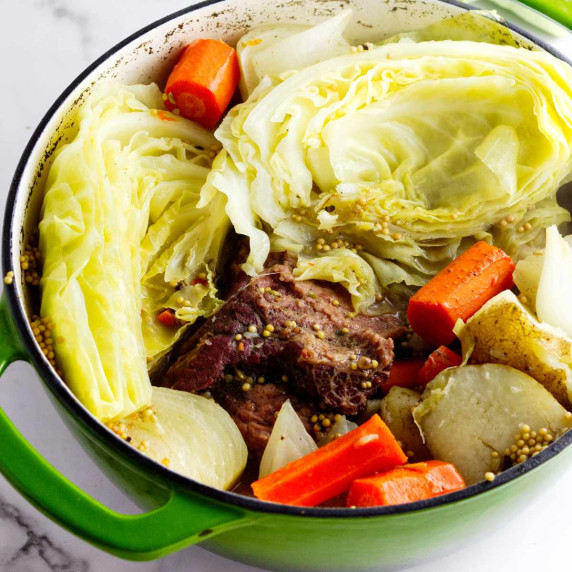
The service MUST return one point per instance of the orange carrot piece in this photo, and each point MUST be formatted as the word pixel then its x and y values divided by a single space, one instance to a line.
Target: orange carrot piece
pixel 458 291
pixel 440 359
pixel 167 318
pixel 405 484
pixel 403 374
pixel 442 477
pixel 397 486
pixel 203 81
pixel 330 470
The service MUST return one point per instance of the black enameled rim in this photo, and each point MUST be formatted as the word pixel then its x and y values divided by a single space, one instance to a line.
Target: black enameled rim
pixel 10 237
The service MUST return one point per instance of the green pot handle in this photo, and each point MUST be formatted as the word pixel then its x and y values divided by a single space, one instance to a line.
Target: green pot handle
pixel 559 10
pixel 186 518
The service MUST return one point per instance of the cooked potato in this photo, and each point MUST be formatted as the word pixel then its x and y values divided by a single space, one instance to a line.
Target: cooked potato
pixel 504 332
pixel 469 416
pixel 397 412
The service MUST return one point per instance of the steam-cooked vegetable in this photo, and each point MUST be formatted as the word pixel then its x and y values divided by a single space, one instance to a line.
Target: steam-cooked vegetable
pixel 403 373
pixel 190 434
pixel 167 318
pixel 553 299
pixel 526 276
pixel 288 441
pixel 469 415
pixel 330 470
pixel 405 484
pixel 458 291
pixel 276 48
pixel 530 270
pixel 340 428
pixel 122 240
pixel 257 40
pixel 179 257
pixel 203 81
pixel 348 269
pixel 397 412
pixel 504 332
pixel 407 152
pixel 440 359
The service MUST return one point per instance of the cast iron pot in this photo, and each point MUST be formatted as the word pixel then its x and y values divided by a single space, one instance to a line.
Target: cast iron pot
pixel 181 511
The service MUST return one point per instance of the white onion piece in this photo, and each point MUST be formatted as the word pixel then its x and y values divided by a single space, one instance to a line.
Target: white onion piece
pixel 317 44
pixel 553 299
pixel 276 48
pixel 288 441
pixel 256 41
pixel 527 274
pixel 192 435
pixel 340 428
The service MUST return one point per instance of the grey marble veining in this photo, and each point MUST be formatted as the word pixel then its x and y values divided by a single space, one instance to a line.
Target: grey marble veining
pixel 44 44
pixel 72 14
pixel 28 549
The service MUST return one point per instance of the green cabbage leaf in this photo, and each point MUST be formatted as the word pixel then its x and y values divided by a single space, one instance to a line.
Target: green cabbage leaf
pixel 122 238
pixel 408 152
pixel 345 267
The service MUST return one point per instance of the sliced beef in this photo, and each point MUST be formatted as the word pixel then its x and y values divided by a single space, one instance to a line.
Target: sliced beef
pixel 313 337
pixel 255 411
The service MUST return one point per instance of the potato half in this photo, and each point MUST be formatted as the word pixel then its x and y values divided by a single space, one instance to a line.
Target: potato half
pixel 469 412
pixel 397 412
pixel 504 331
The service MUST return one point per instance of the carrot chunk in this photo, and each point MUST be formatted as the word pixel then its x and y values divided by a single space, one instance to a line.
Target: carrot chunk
pixel 403 374
pixel 397 486
pixel 405 484
pixel 440 359
pixel 442 477
pixel 203 81
pixel 330 470
pixel 458 291
pixel 167 318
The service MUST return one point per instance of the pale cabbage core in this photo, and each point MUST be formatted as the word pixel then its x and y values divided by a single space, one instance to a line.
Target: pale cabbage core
pixel 122 239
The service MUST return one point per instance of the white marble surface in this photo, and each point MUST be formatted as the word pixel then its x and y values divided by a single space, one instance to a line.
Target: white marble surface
pixel 44 44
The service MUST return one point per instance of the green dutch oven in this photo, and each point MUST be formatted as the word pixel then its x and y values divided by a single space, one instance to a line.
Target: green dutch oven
pixel 182 512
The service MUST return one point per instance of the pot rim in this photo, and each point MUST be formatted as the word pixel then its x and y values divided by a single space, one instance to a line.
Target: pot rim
pixel 10 237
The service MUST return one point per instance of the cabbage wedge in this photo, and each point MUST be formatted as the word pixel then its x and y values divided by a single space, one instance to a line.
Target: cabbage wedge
pixel 408 152
pixel 122 238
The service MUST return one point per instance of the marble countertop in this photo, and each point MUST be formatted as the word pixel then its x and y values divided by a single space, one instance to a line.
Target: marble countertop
pixel 56 40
